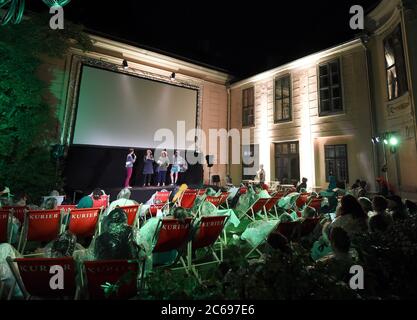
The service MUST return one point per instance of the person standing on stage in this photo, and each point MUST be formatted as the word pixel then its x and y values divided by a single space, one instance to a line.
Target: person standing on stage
pixel 163 164
pixel 178 165
pixel 130 161
pixel 148 168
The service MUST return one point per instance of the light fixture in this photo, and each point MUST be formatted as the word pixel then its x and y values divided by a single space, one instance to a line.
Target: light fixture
pixel 173 75
pixel 125 65
pixel 393 141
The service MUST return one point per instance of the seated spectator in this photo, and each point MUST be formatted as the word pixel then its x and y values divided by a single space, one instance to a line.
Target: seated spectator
pixel 50 204
pixel 339 262
pixel 381 220
pixel 351 217
pixel 309 212
pixel 362 190
pixel 366 205
pixel 85 203
pixel 397 208
pixel 356 185
pixel 302 186
pixel 123 200
pixel 116 242
pixel 100 199
pixel 21 200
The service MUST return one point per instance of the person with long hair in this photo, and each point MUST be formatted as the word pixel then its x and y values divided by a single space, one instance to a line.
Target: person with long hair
pixel 350 216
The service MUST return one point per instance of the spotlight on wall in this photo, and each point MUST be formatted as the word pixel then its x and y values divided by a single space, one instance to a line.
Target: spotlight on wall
pixel 125 65
pixel 173 75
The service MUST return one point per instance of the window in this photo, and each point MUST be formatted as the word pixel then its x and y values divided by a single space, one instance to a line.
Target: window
pixel 250 161
pixel 248 107
pixel 337 162
pixel 287 163
pixel 330 88
pixel 395 65
pixel 283 99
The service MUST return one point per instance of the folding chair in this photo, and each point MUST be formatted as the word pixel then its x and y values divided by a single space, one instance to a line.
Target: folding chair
pixel 5 219
pixel 256 246
pixel 35 277
pixel 120 273
pixel 201 192
pixel 132 214
pixel 258 206
pixel 162 197
pixel 308 226
pixel 103 201
pixel 208 232
pixel 187 199
pixel 17 212
pixel 290 230
pixel 170 235
pixel 302 200
pixel 42 226
pixel 67 207
pixel 224 197
pixel 272 204
pixel 83 222
pixel 216 201
pixel 316 204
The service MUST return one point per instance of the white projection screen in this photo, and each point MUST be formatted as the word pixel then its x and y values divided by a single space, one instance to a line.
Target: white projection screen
pixel 120 110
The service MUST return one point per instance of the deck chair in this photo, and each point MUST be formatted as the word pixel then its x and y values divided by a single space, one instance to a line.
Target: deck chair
pixel 224 200
pixel 290 230
pixel 201 192
pixel 171 235
pixel 316 204
pixel 162 197
pixel 272 204
pixel 120 273
pixel 216 201
pixel 34 277
pixel 258 206
pixel 132 214
pixel 187 199
pixel 42 226
pixel 302 200
pixel 5 219
pixel 273 225
pixel 67 207
pixel 308 226
pixel 83 222
pixel 17 212
pixel 207 234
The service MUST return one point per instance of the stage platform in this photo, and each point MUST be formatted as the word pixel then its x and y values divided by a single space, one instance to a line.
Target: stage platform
pixel 140 194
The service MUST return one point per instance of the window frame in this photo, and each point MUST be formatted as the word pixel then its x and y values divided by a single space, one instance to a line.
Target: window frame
pixel 248 125
pixel 336 158
pixel 397 31
pixel 330 87
pixel 290 96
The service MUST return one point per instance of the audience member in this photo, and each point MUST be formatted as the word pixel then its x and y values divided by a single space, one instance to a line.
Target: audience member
pixel 381 220
pixel 351 216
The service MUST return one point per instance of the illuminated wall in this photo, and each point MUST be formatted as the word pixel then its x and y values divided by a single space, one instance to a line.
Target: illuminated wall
pixel 311 131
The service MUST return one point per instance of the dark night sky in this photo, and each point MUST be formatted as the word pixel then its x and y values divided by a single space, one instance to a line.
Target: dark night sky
pixel 242 37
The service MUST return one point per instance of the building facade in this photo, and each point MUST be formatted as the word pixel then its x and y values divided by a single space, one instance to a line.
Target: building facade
pixel 310 118
pixel 392 51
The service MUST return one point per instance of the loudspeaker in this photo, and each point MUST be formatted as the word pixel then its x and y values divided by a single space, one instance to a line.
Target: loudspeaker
pixel 210 161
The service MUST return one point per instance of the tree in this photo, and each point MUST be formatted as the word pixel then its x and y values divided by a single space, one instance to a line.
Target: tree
pixel 26 118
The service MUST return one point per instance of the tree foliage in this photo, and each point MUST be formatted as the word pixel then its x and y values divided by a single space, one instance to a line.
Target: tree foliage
pixel 27 121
